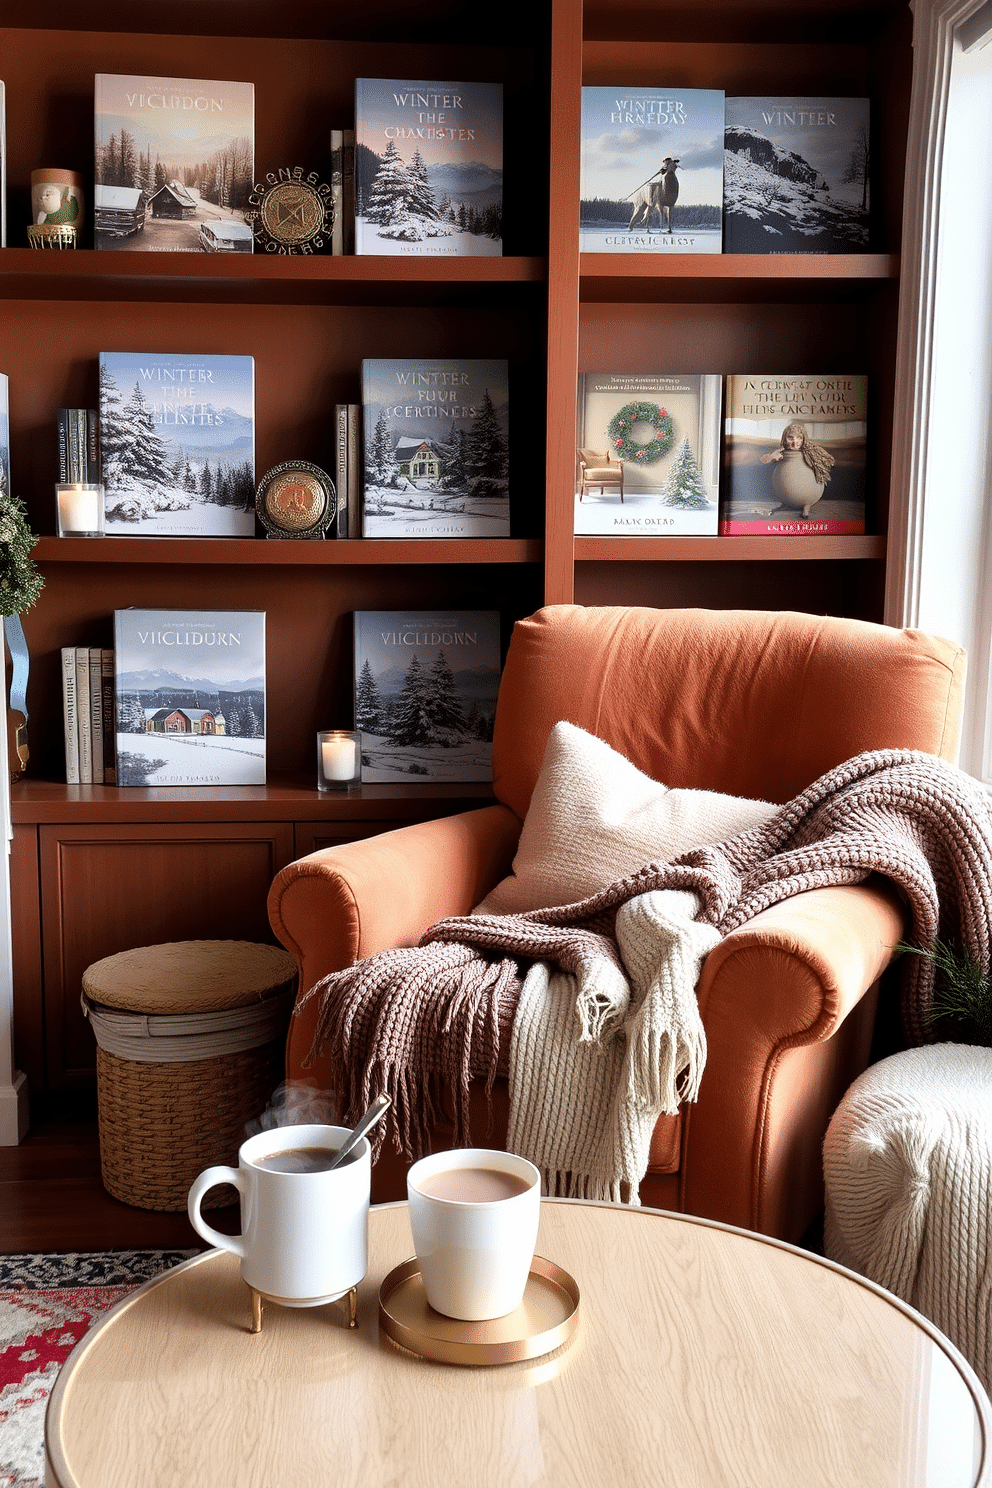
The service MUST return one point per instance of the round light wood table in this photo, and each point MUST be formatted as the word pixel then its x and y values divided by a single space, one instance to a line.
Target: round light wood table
pixel 703 1356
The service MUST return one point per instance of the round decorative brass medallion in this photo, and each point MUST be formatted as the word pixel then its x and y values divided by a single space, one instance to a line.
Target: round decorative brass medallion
pixel 296 499
pixel 290 212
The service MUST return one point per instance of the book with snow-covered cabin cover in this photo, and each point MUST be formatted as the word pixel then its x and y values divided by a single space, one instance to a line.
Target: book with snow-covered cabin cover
pixel 177 444
pixel 796 175
pixel 428 168
pixel 435 448
pixel 189 691
pixel 652 170
pixel 172 155
pixel 425 693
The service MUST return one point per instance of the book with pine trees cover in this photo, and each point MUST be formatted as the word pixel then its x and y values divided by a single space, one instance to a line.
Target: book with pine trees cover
pixel 664 430
pixel 177 444
pixel 190 697
pixel 426 683
pixel 652 170
pixel 794 456
pixel 796 175
pixel 435 452
pixel 428 168
pixel 172 155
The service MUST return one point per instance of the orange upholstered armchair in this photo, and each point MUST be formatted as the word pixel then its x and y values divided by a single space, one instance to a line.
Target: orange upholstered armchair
pixel 746 703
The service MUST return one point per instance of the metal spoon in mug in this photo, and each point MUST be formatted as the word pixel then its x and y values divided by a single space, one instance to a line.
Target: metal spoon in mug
pixel 377 1109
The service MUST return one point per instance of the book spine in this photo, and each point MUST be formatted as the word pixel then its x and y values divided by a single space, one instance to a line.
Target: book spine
pixel 83 715
pixel 354 467
pixel 70 715
pixel 96 713
pixel 348 190
pixel 109 722
pixel 81 445
pixel 92 447
pixel 341 466
pixel 337 190
pixel 62 426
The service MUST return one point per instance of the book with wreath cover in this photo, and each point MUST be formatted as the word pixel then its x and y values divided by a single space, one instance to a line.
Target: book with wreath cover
pixel 435 459
pixel 652 170
pixel 794 456
pixel 796 175
pixel 190 697
pixel 177 444
pixel 426 683
pixel 428 168
pixel 664 431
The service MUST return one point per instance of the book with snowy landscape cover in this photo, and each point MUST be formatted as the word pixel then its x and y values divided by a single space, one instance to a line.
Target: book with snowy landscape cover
pixel 794 456
pixel 428 168
pixel 435 457
pixel 190 697
pixel 425 693
pixel 172 155
pixel 177 444
pixel 664 430
pixel 796 175
pixel 652 170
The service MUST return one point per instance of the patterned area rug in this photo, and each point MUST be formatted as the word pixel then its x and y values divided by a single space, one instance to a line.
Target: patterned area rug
pixel 47 1303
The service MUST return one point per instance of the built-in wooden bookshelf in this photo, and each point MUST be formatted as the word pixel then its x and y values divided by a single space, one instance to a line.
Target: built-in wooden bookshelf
pixel 95 869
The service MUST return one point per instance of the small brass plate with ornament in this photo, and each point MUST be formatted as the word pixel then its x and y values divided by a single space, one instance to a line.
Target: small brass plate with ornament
pixel 296 499
pixel 291 211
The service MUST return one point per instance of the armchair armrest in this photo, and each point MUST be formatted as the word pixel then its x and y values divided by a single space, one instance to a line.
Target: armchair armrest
pixel 336 906
pixel 788 1004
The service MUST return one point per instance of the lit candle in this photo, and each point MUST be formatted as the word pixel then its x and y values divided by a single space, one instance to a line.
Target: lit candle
pixel 79 508
pixel 338 757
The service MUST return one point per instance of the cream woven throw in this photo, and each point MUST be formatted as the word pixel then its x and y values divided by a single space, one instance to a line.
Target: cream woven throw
pixel 413 1020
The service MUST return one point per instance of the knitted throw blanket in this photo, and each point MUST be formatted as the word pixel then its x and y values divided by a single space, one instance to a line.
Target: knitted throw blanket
pixel 416 1020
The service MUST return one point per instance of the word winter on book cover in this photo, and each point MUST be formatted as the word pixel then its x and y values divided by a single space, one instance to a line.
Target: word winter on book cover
pixel 190 697
pixel 796 175
pixel 428 168
pixel 436 448
pixel 795 455
pixel 425 693
pixel 177 444
pixel 652 170
pixel 663 432
pixel 175 162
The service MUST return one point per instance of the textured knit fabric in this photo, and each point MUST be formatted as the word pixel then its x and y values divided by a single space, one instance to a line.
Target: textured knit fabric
pixel 907 1163
pixel 408 1020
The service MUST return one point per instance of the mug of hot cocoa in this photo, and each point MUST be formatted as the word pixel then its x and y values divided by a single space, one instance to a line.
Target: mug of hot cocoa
pixel 474 1215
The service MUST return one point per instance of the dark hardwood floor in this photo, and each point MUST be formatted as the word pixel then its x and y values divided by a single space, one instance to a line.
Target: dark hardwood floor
pixel 52 1198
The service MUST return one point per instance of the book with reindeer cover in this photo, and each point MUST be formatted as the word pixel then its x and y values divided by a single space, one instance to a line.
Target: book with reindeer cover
pixel 652 170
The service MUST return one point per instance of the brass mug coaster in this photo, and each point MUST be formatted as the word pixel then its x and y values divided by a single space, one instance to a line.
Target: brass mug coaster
pixel 546 1318
pixel 52 235
pixel 258 1299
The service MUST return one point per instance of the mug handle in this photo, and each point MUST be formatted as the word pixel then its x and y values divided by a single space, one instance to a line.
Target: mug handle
pixel 208 1179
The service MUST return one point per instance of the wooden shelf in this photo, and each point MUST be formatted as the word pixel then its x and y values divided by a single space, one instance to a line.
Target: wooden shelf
pixel 726 278
pixel 727 549
pixel 268 553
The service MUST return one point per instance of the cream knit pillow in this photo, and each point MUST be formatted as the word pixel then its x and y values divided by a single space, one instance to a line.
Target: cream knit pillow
pixel 595 817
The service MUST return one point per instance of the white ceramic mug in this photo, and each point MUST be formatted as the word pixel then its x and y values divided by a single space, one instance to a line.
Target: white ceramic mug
pixel 474 1250
pixel 305 1234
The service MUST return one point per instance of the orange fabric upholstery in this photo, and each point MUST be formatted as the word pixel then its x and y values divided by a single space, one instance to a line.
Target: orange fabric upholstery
pixel 744 702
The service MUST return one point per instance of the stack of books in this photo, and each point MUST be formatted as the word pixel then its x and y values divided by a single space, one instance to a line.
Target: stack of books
pixel 88 711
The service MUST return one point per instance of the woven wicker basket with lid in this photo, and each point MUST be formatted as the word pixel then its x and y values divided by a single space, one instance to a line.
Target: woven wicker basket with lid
pixel 190 1047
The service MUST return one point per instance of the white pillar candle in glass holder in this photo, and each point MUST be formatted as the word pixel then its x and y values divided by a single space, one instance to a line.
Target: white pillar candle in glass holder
pixel 80 509
pixel 339 759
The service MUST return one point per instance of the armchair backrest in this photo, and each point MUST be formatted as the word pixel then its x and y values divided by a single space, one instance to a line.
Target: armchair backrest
pixel 748 702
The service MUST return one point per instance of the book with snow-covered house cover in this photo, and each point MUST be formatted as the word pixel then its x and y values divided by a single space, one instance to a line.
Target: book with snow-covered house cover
pixel 651 170
pixel 428 168
pixel 796 175
pixel 190 697
pixel 426 683
pixel 172 155
pixel 664 431
pixel 435 459
pixel 177 444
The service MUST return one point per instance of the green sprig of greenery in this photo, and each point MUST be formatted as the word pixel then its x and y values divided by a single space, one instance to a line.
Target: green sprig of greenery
pixel 962 993
pixel 20 581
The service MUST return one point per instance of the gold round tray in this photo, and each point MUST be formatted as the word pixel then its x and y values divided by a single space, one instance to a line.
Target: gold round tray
pixel 546 1318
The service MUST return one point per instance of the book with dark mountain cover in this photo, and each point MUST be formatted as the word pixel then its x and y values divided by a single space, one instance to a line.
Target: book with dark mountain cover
pixel 796 175
pixel 173 155
pixel 794 456
pixel 426 683
pixel 435 439
pixel 663 432
pixel 428 168
pixel 652 170
pixel 177 444
pixel 190 697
